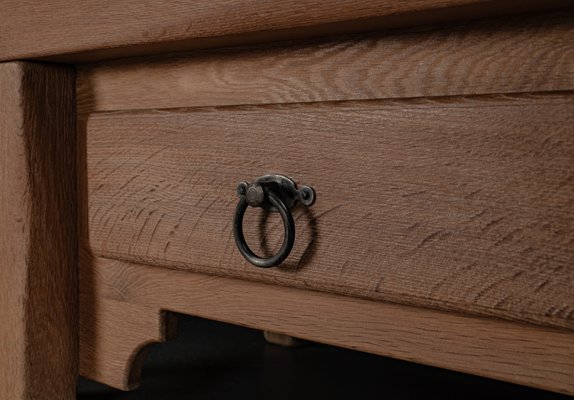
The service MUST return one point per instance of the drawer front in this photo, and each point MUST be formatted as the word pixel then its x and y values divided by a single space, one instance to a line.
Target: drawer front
pixel 459 204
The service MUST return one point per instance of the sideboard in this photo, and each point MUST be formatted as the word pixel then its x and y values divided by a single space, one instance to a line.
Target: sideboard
pixel 387 176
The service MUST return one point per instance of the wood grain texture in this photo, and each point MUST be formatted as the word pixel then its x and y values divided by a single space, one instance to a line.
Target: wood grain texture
pixel 38 235
pixel 95 29
pixel 506 55
pixel 115 336
pixel 523 354
pixel 115 339
pixel 461 204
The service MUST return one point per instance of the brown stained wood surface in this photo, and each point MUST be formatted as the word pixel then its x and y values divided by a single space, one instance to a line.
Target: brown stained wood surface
pixel 96 29
pixel 38 235
pixel 519 353
pixel 462 204
pixel 115 339
pixel 516 54
pixel 116 336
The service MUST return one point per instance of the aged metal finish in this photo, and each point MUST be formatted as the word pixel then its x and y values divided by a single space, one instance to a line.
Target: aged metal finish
pixel 275 193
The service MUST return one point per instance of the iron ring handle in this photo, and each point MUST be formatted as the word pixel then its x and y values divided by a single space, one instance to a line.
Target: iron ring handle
pixel 288 240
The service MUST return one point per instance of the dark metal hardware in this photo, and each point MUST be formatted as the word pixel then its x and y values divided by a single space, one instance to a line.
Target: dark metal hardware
pixel 274 193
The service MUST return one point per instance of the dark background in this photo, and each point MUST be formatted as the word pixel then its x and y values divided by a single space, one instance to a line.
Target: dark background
pixel 212 360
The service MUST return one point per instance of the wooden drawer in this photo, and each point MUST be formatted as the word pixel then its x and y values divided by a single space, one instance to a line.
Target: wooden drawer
pixel 442 156
pixel 443 229
pixel 460 204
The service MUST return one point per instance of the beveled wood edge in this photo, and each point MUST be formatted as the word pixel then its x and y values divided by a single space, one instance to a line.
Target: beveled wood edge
pixel 117 42
pixel 509 351
pixel 391 67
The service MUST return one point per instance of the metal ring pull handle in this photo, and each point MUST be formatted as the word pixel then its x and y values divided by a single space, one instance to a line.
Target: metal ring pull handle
pixel 273 193
pixel 288 240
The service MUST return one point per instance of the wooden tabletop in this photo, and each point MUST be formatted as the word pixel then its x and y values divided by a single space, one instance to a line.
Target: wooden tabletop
pixel 88 30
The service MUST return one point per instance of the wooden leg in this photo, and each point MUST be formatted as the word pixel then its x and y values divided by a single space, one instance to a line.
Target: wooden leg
pixel 38 235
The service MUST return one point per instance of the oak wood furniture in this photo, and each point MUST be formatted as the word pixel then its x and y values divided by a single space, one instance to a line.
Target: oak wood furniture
pixel 38 235
pixel 438 135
